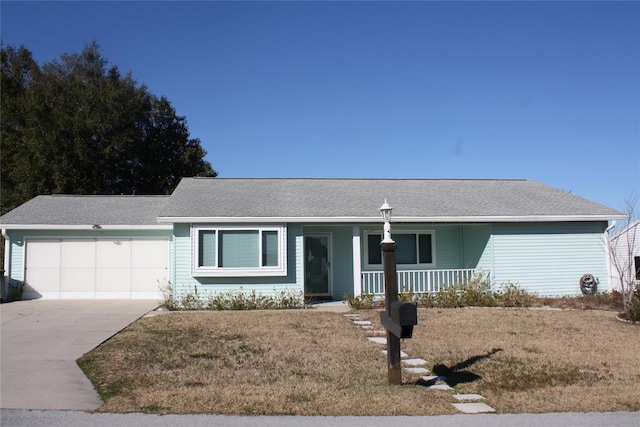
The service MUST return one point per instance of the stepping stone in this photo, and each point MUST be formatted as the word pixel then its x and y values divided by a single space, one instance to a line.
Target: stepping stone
pixel 419 371
pixel 442 387
pixel 367 327
pixel 473 408
pixel 378 340
pixel 377 332
pixel 429 378
pixel 415 362
pixel 468 396
pixel 362 322
pixel 402 353
pixel 353 316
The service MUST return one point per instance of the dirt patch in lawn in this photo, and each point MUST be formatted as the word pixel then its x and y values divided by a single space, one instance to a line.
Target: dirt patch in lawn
pixel 306 362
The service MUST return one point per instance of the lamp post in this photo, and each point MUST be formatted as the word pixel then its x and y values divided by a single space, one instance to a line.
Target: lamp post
pixel 394 369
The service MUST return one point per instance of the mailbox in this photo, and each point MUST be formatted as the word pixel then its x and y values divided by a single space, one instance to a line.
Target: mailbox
pixel 403 316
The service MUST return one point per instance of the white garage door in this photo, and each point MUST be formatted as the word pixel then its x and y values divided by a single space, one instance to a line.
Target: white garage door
pixel 95 268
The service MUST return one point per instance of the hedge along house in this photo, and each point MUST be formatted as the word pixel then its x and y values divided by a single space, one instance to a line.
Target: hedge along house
pixel 319 237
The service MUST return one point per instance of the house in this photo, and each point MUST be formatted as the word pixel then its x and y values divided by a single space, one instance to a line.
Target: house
pixel 317 236
pixel 624 257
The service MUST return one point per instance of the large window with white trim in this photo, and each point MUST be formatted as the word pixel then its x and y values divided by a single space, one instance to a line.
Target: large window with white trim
pixel 239 251
pixel 415 248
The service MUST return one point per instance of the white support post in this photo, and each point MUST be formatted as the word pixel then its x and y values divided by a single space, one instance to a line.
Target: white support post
pixel 357 270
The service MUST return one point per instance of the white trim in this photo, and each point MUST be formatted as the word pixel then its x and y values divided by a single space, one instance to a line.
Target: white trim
pixel 215 271
pixel 92 295
pixel 395 219
pixel 357 263
pixel 85 227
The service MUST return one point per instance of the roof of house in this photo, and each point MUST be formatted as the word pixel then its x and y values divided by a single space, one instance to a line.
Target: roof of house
pixel 65 210
pixel 313 200
pixel 234 199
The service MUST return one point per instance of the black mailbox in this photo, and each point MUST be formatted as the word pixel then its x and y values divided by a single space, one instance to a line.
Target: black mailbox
pixel 404 313
pixel 403 316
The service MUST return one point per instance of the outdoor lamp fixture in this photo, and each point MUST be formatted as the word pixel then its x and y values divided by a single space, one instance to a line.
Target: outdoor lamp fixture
pixel 385 209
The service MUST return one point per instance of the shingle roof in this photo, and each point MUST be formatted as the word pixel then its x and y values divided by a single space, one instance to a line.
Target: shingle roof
pixel 307 199
pixel 361 198
pixel 87 210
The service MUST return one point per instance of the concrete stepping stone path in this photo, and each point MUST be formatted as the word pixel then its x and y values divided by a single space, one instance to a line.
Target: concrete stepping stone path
pixel 467 402
pixel 419 371
pixel 414 362
pixel 402 353
pixel 473 408
pixel 464 397
pixel 378 340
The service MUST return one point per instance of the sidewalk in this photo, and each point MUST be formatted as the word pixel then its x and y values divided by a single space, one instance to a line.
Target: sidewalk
pixel 21 418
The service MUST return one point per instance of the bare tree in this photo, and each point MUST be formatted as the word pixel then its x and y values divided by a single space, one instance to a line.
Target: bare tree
pixel 624 255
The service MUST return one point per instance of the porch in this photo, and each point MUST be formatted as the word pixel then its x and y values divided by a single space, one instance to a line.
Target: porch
pixel 417 281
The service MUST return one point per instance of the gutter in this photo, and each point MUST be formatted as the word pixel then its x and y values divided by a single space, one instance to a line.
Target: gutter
pixel 4 281
pixel 396 219
pixel 607 250
pixel 93 227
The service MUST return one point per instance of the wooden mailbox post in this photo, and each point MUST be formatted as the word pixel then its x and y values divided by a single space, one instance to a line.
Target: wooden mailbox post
pixel 398 317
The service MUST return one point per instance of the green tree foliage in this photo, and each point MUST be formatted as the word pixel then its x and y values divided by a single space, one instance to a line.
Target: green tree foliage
pixel 77 126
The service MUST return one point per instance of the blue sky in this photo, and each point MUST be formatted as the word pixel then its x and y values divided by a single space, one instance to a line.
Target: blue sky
pixel 548 91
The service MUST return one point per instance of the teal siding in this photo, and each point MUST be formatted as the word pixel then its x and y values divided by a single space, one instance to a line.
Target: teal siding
pixel 477 246
pixel 448 247
pixel 549 259
pixel 185 282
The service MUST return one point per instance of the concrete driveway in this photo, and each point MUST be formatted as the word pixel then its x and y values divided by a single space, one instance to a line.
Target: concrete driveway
pixel 40 342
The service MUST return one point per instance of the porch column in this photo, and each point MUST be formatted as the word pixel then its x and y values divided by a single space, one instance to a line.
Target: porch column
pixel 357 272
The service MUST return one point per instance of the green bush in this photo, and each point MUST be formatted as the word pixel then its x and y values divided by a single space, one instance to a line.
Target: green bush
pixel 361 302
pixel 511 295
pixel 476 292
pixel 232 300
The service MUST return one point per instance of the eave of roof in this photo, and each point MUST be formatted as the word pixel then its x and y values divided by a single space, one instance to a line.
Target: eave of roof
pixel 376 219
pixel 63 227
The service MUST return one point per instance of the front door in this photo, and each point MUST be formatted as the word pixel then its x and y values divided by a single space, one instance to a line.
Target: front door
pixel 317 265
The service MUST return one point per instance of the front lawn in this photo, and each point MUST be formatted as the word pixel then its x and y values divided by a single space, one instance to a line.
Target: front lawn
pixel 307 362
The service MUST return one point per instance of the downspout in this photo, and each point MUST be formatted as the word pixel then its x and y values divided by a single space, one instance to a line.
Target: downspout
pixel 607 251
pixel 4 290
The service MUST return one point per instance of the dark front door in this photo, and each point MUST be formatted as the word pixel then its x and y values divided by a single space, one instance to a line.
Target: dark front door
pixel 317 265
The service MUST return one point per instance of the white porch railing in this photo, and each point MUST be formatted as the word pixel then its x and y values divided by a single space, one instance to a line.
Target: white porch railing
pixel 416 281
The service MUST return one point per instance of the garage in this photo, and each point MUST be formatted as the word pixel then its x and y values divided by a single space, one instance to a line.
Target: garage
pixel 95 268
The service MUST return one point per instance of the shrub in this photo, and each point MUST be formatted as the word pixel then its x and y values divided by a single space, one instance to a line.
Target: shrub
pixel 511 295
pixel 169 302
pixel 361 302
pixel 232 300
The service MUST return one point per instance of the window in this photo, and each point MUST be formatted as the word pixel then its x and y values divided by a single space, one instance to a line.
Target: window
pixel 414 248
pixel 636 261
pixel 227 251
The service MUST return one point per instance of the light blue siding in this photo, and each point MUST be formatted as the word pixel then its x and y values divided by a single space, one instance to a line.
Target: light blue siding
pixel 546 258
pixel 549 259
pixel 184 281
pixel 477 246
